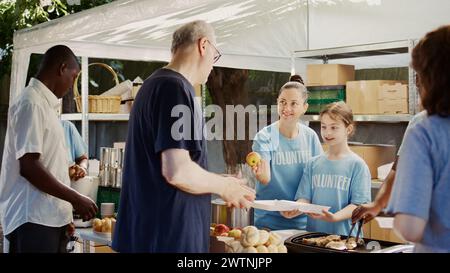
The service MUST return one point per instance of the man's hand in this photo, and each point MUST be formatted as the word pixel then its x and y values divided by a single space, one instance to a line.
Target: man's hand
pixel 291 214
pixel 324 216
pixel 76 172
pixel 237 194
pixel 85 207
pixel 366 212
pixel 71 229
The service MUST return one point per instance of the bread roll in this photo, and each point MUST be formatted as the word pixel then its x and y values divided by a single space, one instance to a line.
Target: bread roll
pixel 97 225
pixel 250 236
pixel 282 249
pixel 263 237
pixel 235 247
pixel 106 225
pixel 249 249
pixel 262 249
pixel 272 249
pixel 274 239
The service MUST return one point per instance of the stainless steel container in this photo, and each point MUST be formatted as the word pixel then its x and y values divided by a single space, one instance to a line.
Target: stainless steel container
pixel 105 175
pixel 117 180
pixel 105 166
pixel 232 217
pixel 105 155
pixel 116 156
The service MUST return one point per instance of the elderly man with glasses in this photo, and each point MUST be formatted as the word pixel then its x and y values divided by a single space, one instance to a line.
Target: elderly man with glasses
pixel 165 202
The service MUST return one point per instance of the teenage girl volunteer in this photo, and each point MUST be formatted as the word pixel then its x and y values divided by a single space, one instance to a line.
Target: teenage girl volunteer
pixel 339 178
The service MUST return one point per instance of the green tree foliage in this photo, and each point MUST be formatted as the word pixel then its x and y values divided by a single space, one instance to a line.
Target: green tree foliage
pixel 19 14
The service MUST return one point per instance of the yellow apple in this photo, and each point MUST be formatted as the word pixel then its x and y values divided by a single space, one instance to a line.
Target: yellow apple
pixel 253 159
pixel 236 233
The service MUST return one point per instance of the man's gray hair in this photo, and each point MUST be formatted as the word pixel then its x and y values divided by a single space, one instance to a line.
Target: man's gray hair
pixel 190 33
pixel 298 86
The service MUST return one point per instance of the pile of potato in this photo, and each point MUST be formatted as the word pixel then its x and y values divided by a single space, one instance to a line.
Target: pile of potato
pixel 253 240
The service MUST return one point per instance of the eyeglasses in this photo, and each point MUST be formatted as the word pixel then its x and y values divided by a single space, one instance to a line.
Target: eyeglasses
pixel 218 55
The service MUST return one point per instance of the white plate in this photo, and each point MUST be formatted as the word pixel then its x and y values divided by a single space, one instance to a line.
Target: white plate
pixel 106 235
pixel 81 223
pixel 385 222
pixel 286 205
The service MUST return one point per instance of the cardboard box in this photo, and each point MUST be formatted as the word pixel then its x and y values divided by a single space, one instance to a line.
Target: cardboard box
pixel 373 231
pixel 374 155
pixel 364 97
pixel 395 106
pixel 93 248
pixel 329 74
pixel 393 91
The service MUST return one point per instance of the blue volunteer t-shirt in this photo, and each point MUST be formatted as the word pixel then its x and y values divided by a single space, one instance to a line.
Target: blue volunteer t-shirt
pixel 335 183
pixel 75 145
pixel 287 158
pixel 153 215
pixel 422 182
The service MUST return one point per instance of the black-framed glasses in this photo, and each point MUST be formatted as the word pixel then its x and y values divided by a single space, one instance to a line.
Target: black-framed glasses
pixel 218 55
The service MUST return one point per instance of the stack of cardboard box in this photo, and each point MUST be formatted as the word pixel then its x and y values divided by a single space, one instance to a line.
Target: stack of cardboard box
pixel 328 80
pixel 377 97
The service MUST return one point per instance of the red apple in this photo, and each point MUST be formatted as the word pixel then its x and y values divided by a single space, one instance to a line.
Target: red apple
pixel 219 229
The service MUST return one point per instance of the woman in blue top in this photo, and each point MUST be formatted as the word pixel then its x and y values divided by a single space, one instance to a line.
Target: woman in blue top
pixel 285 146
pixel 421 193
pixel 76 148
pixel 339 178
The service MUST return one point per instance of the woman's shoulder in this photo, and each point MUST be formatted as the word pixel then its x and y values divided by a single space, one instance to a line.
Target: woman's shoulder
pixel 306 130
pixel 432 129
pixel 267 130
pixel 68 125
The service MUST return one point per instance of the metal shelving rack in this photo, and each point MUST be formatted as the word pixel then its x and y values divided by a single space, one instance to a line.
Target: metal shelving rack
pixel 96 117
pixel 367 50
pixel 84 116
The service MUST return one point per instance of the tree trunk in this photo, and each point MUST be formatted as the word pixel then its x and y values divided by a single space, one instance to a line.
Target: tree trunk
pixel 227 87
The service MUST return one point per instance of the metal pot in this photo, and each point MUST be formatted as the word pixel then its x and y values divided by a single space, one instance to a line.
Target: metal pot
pixel 232 217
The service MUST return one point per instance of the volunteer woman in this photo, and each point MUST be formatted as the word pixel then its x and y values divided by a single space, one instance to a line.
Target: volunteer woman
pixel 285 146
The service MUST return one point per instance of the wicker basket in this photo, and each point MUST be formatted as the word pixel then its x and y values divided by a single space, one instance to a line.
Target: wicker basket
pixel 99 104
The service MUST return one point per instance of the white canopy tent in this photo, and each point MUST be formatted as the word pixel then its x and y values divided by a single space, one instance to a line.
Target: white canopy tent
pixel 252 34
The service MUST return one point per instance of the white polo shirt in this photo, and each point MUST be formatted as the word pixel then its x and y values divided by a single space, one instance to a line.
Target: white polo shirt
pixel 33 127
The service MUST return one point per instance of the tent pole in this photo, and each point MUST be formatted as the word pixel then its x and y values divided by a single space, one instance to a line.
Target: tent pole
pixel 84 101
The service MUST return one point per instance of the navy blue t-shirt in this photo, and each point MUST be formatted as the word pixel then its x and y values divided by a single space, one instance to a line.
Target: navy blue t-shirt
pixel 153 215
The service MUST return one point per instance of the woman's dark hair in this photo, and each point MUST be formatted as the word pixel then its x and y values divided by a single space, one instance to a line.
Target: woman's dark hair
pixel 296 78
pixel 431 61
pixel 297 86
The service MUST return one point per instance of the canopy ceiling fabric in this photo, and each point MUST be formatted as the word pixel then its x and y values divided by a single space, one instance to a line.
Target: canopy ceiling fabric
pixel 141 30
pixel 252 34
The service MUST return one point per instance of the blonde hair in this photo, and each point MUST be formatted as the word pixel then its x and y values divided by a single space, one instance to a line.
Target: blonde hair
pixel 340 111
pixel 190 33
